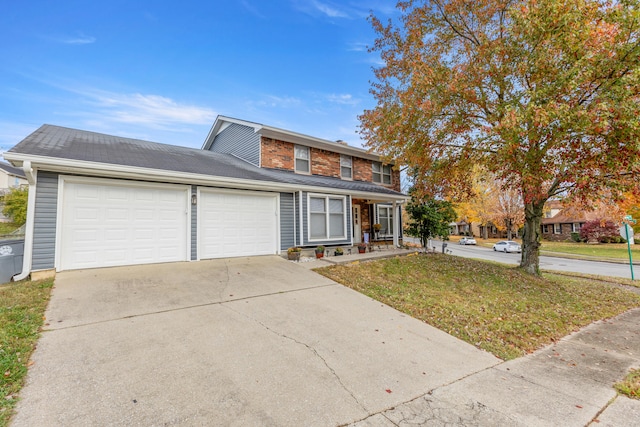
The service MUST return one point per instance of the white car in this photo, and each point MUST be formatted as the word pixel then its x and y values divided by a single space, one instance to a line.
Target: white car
pixel 467 241
pixel 507 246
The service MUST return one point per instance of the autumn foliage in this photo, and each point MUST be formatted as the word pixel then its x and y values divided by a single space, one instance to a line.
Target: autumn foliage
pixel 543 94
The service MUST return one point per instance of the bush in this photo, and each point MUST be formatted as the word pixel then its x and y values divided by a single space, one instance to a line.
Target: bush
pixel 600 230
pixel 15 205
pixel 576 237
pixel 636 241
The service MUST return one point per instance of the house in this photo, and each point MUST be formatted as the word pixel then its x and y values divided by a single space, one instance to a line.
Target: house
pixel 558 222
pixel 99 200
pixel 11 177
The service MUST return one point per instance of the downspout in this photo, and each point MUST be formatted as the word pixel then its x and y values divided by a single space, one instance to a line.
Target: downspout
pixel 300 218
pixel 30 174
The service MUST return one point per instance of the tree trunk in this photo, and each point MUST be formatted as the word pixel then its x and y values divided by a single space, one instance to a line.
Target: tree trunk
pixel 530 261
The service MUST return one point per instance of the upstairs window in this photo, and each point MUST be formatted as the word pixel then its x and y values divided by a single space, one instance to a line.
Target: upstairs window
pixel 381 173
pixel 302 159
pixel 346 167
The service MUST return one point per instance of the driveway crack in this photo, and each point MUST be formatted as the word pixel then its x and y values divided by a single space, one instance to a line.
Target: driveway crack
pixel 309 347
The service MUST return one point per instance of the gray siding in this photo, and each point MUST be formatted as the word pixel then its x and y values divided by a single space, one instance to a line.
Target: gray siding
pixel 305 220
pixel 194 227
pixel 239 140
pixel 287 218
pixel 44 226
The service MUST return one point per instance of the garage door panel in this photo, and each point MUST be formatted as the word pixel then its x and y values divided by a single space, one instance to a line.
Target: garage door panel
pixel 237 224
pixel 109 224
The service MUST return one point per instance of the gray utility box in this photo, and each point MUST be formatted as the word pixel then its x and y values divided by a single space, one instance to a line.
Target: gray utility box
pixel 11 254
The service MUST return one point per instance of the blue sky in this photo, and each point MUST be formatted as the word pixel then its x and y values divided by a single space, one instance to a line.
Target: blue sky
pixel 163 70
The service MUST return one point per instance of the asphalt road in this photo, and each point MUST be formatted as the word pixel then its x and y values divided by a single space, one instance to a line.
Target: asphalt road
pixel 546 262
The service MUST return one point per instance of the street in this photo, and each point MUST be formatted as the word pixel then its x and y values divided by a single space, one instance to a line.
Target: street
pixel 546 262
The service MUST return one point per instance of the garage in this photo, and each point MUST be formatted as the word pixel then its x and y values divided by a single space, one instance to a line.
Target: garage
pixel 235 224
pixel 106 223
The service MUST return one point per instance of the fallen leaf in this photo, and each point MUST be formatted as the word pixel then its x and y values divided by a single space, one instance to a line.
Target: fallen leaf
pixel 578 406
pixel 388 390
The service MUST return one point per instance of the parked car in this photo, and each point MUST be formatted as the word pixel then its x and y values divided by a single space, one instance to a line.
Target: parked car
pixel 507 246
pixel 467 241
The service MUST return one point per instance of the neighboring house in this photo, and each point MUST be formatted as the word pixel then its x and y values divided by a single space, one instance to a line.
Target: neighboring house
pixel 558 223
pixel 98 200
pixel 11 177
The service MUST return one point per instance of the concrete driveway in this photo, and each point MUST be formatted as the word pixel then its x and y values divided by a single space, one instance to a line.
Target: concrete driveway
pixel 245 341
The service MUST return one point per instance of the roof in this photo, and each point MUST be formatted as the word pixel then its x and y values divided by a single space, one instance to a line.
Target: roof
pixel 289 136
pixel 11 170
pixel 70 150
pixel 568 216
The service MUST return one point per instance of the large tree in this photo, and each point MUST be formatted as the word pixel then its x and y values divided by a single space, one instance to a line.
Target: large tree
pixel 543 93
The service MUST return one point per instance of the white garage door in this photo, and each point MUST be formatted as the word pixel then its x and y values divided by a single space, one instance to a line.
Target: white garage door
pixel 234 224
pixel 107 224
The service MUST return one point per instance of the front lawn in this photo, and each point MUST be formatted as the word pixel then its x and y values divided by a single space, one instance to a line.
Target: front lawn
pixel 22 306
pixel 497 308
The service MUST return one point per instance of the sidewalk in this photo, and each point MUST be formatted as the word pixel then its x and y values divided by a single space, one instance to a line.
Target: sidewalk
pixel 568 383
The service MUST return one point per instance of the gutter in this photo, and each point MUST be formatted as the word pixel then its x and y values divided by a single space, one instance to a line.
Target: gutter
pixel 81 167
pixel 27 256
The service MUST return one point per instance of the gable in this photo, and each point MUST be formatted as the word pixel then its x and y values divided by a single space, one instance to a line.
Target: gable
pixel 238 140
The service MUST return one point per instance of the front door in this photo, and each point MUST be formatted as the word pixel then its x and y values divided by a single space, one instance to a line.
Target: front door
pixel 357 228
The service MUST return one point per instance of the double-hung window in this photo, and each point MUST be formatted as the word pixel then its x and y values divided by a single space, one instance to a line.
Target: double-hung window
pixel 302 156
pixel 381 173
pixel 575 227
pixel 385 219
pixel 327 218
pixel 557 228
pixel 346 167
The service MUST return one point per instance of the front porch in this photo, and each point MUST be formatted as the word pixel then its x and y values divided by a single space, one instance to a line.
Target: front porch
pixel 376 222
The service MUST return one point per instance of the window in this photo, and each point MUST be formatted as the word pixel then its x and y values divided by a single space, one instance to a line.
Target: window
pixel 327 219
pixel 301 159
pixel 385 219
pixel 575 227
pixel 557 228
pixel 346 167
pixel 545 229
pixel 381 173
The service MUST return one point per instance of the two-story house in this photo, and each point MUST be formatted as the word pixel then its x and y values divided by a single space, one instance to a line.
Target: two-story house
pixel 99 200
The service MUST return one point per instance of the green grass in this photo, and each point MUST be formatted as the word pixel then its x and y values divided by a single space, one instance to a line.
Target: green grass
pixel 602 250
pixel 630 386
pixel 22 306
pixel 497 308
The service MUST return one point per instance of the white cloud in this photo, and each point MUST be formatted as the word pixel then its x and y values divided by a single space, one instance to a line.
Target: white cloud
pixel 313 7
pixel 151 110
pixel 357 47
pixel 252 9
pixel 344 99
pixel 329 10
pixel 80 39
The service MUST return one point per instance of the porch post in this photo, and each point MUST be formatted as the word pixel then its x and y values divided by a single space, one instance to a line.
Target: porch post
pixel 395 216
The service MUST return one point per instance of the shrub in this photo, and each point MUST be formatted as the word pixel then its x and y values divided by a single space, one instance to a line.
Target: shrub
pixel 599 230
pixel 15 205
pixel 576 237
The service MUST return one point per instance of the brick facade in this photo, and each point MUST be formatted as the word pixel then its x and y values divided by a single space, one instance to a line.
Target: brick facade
pixel 276 154
pixel 549 232
pixel 325 163
pixel 362 170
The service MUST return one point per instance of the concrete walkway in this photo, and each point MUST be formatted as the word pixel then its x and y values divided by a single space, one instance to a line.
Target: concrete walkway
pixel 263 341
pixel 566 384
